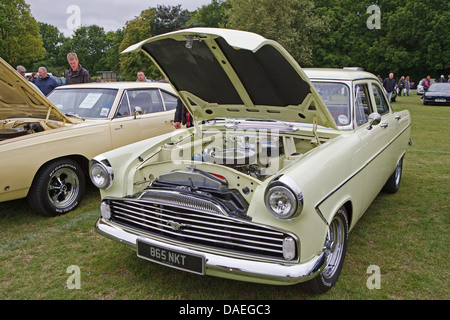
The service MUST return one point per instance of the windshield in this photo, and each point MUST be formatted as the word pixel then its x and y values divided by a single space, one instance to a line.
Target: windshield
pixel 84 102
pixel 337 98
pixel 439 87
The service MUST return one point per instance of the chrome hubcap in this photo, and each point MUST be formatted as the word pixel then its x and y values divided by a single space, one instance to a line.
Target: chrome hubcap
pixel 63 188
pixel 334 246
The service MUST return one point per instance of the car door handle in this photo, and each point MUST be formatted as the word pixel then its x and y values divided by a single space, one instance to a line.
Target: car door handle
pixel 384 125
pixel 397 117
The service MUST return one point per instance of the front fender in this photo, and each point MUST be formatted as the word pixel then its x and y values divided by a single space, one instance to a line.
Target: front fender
pixel 125 162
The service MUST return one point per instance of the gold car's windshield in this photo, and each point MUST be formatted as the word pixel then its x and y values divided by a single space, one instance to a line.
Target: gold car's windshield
pixel 84 102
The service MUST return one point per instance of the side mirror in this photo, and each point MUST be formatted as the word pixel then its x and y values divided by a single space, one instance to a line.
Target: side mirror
pixel 374 119
pixel 137 111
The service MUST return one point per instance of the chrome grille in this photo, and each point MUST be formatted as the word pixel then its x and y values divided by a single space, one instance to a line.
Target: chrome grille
pixel 190 223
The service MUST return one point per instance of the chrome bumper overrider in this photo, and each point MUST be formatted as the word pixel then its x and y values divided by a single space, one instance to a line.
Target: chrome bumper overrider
pixel 225 266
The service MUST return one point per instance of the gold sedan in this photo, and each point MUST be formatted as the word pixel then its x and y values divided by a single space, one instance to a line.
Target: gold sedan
pixel 47 142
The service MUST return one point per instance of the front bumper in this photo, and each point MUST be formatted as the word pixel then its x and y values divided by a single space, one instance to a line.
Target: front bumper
pixel 225 266
pixel 437 100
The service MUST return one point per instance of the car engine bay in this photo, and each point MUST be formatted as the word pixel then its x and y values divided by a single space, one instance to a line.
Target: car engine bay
pixel 221 160
pixel 258 154
pixel 17 128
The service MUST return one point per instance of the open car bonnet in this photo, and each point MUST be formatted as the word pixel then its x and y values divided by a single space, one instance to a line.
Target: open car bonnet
pixel 224 73
pixel 19 99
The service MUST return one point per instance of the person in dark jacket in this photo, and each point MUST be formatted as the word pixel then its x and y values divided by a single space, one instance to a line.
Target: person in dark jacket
pixel 182 116
pixel 76 74
pixel 45 83
pixel 389 85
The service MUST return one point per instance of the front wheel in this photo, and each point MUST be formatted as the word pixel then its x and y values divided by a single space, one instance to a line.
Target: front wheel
pixel 335 248
pixel 57 188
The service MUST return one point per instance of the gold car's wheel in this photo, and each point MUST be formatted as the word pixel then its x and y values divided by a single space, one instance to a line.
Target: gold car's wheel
pixel 335 248
pixel 63 187
pixel 57 188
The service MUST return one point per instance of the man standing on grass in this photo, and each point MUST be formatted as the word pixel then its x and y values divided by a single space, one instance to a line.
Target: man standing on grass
pixel 389 85
pixel 76 74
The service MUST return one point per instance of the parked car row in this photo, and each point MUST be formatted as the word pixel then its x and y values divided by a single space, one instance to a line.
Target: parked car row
pixel 280 166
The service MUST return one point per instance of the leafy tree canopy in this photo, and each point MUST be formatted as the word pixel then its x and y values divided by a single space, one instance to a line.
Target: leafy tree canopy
pixel 294 24
pixel 413 37
pixel 212 15
pixel 20 42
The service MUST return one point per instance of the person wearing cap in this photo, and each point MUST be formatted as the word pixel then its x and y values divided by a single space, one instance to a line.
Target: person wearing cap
pixel 21 69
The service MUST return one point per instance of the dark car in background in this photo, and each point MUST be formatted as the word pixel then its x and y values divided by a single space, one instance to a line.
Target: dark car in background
pixel 438 94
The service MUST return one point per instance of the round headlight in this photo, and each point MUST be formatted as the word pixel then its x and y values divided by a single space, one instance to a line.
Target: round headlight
pixel 101 174
pixel 282 201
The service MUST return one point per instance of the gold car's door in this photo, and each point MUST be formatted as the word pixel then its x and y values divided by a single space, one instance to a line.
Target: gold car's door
pixel 140 115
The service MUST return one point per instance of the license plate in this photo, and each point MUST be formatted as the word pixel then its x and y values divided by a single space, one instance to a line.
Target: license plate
pixel 440 100
pixel 171 258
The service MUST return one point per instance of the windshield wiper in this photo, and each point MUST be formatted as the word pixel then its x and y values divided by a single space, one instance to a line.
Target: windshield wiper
pixel 74 115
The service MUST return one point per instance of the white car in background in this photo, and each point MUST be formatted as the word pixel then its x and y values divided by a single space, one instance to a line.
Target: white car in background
pixel 420 89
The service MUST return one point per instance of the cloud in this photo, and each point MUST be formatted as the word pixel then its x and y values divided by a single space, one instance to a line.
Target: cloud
pixel 109 14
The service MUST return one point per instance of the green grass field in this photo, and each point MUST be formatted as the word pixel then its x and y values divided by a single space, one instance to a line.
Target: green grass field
pixel 405 235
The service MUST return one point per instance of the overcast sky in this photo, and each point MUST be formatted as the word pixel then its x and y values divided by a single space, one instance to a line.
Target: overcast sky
pixel 67 15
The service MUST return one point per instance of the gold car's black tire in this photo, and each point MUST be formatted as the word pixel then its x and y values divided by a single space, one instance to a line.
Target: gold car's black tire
pixel 57 188
pixel 335 250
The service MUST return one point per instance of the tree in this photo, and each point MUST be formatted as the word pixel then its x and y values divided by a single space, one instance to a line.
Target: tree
pixel 417 40
pixel 348 39
pixel 212 15
pixel 135 31
pixel 413 39
pixel 20 42
pixel 112 53
pixel 169 18
pixel 294 24
pixel 52 39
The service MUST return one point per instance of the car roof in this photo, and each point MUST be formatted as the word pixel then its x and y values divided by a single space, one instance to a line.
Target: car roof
pixel 121 85
pixel 338 74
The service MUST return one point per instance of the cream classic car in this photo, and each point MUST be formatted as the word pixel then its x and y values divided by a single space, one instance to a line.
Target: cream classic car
pixel 45 150
pixel 279 167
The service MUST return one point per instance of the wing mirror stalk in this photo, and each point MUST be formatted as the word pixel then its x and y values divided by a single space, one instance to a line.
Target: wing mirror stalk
pixel 374 119
pixel 137 111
